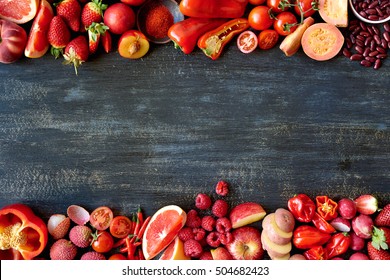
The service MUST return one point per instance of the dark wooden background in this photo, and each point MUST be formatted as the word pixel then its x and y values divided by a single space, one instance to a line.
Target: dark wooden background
pixel 159 130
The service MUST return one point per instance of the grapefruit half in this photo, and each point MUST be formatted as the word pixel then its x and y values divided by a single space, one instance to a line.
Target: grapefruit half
pixel 162 230
pixel 20 11
pixel 37 44
pixel 175 251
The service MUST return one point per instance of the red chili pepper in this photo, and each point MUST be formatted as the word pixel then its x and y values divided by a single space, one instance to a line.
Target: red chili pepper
pixel 213 42
pixel 22 233
pixel 302 207
pixel 186 33
pixel 326 207
pixel 141 254
pixel 130 249
pixel 213 8
pixel 306 237
pixel 140 216
pixel 144 225
pixel 316 253
pixel 338 244
pixel 321 224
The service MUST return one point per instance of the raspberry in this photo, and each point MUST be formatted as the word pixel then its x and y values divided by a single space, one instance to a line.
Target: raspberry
pixel 223 225
pixel 203 201
pixel 192 248
pixel 193 220
pixel 220 208
pixel 222 188
pixel 206 255
pixel 208 223
pixel 185 234
pixel 213 239
pixel 199 233
pixel 226 238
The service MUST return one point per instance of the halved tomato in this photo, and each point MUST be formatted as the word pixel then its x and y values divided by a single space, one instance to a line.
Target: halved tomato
pixel 334 12
pixel 120 226
pixel 101 218
pixel 268 39
pixel 247 41
pixel 322 41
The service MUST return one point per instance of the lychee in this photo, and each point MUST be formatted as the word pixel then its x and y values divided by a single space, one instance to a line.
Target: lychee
pixel 92 255
pixel 58 225
pixel 63 249
pixel 81 236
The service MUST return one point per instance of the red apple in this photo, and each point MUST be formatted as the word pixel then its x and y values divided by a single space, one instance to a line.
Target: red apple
pixel 220 253
pixel 246 213
pixel 13 40
pixel 363 225
pixel 119 18
pixel 246 244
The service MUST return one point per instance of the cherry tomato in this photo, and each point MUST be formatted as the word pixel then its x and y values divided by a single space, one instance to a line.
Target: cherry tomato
pixel 120 226
pixel 101 218
pixel 257 2
pixel 247 41
pixel 285 23
pixel 306 6
pixel 276 6
pixel 268 39
pixel 259 18
pixel 102 242
pixel 117 256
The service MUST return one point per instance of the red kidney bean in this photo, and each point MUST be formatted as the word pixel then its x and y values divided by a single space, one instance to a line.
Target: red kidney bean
pixel 346 52
pixel 386 26
pixel 365 63
pixel 356 57
pixel 386 36
pixel 377 64
pixel 380 50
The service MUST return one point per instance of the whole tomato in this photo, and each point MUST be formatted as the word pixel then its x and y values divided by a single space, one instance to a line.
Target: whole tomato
pixel 257 2
pixel 278 6
pixel 102 242
pixel 285 23
pixel 133 2
pixel 13 40
pixel 308 7
pixel 259 18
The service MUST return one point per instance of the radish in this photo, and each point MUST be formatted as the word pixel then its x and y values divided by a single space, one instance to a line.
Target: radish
pixel 347 208
pixel 359 256
pixel 341 224
pixel 363 225
pixel 357 243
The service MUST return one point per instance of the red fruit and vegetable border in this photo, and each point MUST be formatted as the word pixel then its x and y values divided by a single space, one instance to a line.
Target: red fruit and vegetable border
pixel 321 29
pixel 307 228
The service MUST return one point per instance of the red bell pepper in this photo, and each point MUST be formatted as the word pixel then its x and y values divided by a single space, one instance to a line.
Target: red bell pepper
pixel 302 207
pixel 321 224
pixel 21 232
pixel 186 33
pixel 338 244
pixel 213 8
pixel 306 237
pixel 213 42
pixel 326 207
pixel 316 253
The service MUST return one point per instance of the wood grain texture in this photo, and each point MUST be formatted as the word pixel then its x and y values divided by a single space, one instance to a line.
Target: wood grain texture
pixel 158 130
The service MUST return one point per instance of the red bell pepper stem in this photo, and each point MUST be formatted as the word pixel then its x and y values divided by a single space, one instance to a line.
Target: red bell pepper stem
pixel 142 229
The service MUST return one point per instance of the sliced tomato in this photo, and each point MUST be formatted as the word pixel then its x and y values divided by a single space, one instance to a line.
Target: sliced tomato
pixel 120 226
pixel 322 41
pixel 101 218
pixel 334 12
pixel 268 39
pixel 247 41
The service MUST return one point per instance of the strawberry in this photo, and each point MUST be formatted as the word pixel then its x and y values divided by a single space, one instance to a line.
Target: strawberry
pixel 383 218
pixel 70 11
pixel 366 204
pixel 92 12
pixel 106 41
pixel 76 52
pixel 58 36
pixel 377 248
pixel 94 32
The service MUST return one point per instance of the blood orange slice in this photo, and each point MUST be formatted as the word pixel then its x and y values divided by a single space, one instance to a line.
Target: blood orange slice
pixel 37 44
pixel 162 230
pixel 175 251
pixel 20 11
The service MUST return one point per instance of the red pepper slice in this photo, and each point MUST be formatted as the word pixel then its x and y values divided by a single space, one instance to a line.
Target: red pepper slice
pixel 316 253
pixel 306 237
pixel 213 8
pixel 302 207
pixel 326 207
pixel 338 244
pixel 186 33
pixel 321 224
pixel 213 42
pixel 22 233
